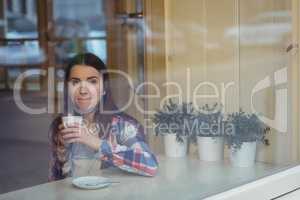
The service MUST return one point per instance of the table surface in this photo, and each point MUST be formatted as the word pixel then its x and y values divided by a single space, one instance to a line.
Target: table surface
pixel 178 178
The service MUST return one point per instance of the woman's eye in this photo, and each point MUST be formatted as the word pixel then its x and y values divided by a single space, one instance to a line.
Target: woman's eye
pixel 75 82
pixel 93 81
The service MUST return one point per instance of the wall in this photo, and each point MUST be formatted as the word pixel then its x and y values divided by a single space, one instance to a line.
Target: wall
pixel 231 42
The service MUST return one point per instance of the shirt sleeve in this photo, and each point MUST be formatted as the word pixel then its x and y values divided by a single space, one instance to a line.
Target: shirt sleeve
pixel 126 149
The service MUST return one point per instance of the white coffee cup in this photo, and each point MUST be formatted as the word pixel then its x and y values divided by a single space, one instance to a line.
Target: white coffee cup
pixel 71 120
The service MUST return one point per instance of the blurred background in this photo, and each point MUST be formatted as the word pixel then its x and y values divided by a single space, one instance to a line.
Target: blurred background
pixel 38 35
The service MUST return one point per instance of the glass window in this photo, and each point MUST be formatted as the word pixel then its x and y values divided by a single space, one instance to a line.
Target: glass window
pixel 75 18
pixel 67 49
pixel 20 48
pixel 235 63
pixel 82 24
pixel 21 19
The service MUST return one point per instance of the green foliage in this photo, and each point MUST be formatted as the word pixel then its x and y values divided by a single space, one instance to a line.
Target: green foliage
pixel 209 120
pixel 171 119
pixel 213 117
pixel 184 120
pixel 247 128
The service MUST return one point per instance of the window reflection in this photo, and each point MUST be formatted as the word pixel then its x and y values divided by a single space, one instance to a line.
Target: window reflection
pixel 28 53
pixel 267 28
pixel 81 29
pixel 76 18
pixel 233 47
pixel 21 20
pixel 66 49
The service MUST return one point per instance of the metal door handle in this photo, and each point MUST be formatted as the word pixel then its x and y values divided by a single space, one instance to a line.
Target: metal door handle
pixel 138 15
pixel 291 47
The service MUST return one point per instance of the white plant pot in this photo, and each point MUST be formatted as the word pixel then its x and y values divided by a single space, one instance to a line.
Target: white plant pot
pixel 245 156
pixel 210 148
pixel 173 148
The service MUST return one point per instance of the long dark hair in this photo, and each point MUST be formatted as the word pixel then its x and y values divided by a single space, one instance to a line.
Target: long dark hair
pixel 103 119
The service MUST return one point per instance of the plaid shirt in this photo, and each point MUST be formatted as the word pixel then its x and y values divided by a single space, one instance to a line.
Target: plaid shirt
pixel 123 147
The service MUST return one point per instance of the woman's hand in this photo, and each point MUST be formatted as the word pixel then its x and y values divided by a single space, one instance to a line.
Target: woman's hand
pixel 79 133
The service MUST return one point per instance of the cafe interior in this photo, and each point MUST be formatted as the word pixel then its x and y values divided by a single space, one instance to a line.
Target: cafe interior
pixel 240 55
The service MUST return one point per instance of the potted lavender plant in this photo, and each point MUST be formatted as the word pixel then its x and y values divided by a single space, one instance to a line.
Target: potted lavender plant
pixel 170 123
pixel 248 130
pixel 209 135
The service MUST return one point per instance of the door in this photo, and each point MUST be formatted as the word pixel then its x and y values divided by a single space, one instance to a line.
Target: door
pixel 126 34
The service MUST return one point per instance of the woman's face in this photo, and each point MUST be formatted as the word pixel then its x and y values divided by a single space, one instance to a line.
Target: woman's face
pixel 85 87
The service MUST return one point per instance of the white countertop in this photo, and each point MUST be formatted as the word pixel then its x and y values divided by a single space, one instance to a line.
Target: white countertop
pixel 186 178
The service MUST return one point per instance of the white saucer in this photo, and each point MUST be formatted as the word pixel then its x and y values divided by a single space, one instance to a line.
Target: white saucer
pixel 91 182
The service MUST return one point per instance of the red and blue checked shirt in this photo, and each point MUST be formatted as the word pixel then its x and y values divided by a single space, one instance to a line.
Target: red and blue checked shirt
pixel 123 147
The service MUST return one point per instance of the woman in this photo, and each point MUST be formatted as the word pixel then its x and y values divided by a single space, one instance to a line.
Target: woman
pixel 118 139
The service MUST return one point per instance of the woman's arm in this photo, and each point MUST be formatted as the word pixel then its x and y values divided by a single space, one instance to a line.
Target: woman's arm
pixel 126 149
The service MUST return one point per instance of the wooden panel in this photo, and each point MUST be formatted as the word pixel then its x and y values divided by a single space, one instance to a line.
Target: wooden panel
pixel 197 47
pixel 155 62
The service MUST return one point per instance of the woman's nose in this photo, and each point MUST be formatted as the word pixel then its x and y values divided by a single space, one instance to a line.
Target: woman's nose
pixel 83 89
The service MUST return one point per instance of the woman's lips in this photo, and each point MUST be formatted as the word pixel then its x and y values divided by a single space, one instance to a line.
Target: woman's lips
pixel 83 99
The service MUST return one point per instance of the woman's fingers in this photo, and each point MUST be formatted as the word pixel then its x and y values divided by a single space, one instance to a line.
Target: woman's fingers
pixel 72 140
pixel 71 135
pixel 73 126
pixel 62 126
pixel 69 130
